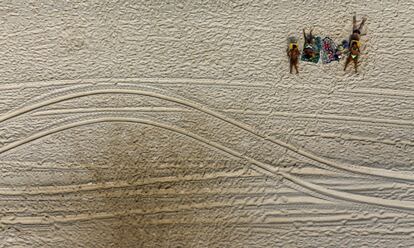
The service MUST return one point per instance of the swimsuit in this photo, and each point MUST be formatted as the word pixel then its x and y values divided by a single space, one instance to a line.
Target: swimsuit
pixel 357 41
pixel 358 45
pixel 291 45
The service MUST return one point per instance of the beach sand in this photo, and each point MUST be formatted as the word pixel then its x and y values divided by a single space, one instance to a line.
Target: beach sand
pixel 155 124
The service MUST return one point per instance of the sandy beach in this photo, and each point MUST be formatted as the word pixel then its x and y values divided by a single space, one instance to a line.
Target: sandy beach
pixel 178 124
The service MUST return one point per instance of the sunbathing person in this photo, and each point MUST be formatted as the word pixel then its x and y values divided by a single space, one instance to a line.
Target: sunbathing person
pixel 354 43
pixel 293 54
pixel 354 53
pixel 308 50
pixel 356 31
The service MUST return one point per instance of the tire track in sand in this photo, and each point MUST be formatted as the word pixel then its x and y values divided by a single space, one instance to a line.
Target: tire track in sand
pixel 351 168
pixel 261 167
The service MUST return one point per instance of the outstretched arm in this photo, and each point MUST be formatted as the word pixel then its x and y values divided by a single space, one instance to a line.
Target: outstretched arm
pixel 362 24
pixel 310 36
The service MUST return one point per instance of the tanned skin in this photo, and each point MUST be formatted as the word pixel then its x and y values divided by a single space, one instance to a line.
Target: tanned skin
pixel 354 51
pixel 353 56
pixel 356 31
pixel 293 55
pixel 309 53
pixel 308 38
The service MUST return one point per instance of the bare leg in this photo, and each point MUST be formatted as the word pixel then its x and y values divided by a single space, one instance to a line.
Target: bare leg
pixel 311 36
pixel 291 67
pixel 304 35
pixel 296 67
pixel 354 26
pixel 356 65
pixel 348 60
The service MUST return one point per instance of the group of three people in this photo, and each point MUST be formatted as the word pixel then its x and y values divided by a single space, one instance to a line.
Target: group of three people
pixel 309 51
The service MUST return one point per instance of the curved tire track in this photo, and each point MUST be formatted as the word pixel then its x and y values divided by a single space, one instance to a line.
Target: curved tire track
pixel 261 167
pixel 351 168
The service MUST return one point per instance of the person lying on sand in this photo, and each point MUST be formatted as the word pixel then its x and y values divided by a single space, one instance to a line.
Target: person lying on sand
pixel 356 31
pixel 354 53
pixel 309 42
pixel 354 43
pixel 293 54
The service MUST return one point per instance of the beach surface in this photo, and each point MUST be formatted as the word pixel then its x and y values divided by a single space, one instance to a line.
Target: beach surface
pixel 178 124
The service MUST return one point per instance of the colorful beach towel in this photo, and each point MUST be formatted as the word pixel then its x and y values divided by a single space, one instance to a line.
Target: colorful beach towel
pixel 329 51
pixel 316 46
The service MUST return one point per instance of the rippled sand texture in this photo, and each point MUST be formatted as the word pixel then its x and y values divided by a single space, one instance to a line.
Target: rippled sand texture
pixel 154 124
